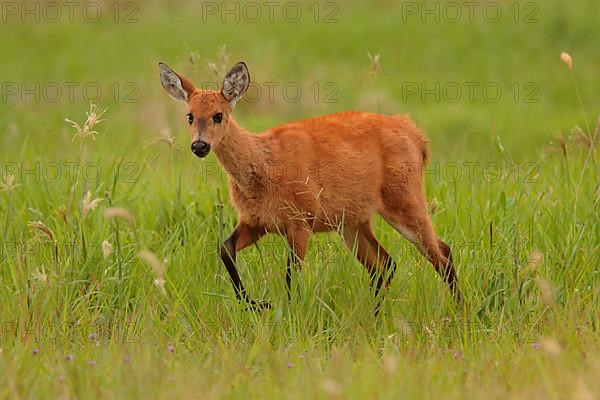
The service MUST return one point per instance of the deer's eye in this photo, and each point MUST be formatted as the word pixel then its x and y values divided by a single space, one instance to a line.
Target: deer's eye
pixel 190 118
pixel 218 117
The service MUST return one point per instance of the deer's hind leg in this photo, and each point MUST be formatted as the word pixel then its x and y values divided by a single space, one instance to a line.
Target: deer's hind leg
pixel 372 255
pixel 408 214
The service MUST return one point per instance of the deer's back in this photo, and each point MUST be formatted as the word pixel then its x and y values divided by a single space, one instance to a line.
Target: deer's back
pixel 332 168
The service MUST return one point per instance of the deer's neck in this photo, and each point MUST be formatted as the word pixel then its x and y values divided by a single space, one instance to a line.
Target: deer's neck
pixel 243 156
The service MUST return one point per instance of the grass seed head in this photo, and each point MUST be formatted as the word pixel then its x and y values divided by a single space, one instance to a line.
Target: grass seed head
pixel 160 284
pixel 331 387
pixel 580 138
pixel 116 212
pixel 40 275
pixel 434 204
pixel 93 118
pixel 42 228
pixel 158 268
pixel 375 67
pixel 551 346
pixel 546 291
pixel 9 184
pixel 106 248
pixel 89 204
pixel 567 59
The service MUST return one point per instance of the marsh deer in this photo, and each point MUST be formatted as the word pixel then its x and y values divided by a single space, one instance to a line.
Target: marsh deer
pixel 378 163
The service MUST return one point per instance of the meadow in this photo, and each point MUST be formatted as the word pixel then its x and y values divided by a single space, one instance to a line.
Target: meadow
pixel 111 284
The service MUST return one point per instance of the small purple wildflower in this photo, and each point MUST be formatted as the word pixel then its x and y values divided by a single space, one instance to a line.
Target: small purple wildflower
pixel 126 359
pixel 535 345
pixel 69 357
pixel 36 351
pixel 91 363
pixel 290 365
pixel 93 337
pixel 171 348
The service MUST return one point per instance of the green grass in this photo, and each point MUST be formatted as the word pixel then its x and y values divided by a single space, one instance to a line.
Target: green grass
pixel 522 218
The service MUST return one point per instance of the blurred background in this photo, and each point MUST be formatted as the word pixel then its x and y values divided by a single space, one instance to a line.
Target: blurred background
pixel 465 72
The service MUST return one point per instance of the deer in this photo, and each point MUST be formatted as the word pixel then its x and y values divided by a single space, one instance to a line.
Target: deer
pixel 376 166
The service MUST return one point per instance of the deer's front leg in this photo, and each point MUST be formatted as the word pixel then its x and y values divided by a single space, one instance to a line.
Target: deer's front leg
pixel 242 237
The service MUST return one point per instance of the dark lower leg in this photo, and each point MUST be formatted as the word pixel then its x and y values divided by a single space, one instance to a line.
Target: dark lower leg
pixel 228 254
pixel 298 243
pixel 292 262
pixel 376 259
pixel 390 268
pixel 377 280
pixel 241 237
pixel 448 271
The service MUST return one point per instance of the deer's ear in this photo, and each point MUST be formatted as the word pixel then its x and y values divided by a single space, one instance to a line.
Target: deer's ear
pixel 176 85
pixel 236 83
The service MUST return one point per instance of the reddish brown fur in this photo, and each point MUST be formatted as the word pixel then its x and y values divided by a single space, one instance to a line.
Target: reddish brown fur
pixel 330 173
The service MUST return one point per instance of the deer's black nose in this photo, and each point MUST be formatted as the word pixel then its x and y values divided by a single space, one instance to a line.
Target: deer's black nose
pixel 200 148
